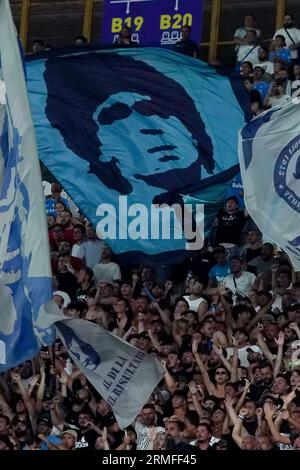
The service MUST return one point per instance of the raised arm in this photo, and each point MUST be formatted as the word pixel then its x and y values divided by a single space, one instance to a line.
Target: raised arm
pixel 279 356
pixel 237 428
pixel 274 431
pixel 206 379
pixel 194 393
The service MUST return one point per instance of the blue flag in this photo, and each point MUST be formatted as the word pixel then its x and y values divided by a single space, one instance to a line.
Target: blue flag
pixel 25 274
pixel 124 130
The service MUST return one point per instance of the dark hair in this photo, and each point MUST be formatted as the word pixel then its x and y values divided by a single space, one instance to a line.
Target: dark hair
pixel 143 81
pixel 263 48
pixel 193 417
pixel 38 41
pixel 149 405
pixel 81 38
pixel 250 14
pixel 81 227
pixel 241 308
pixel 88 271
pixel 248 63
pixel 68 210
pixel 232 198
pixel 291 15
pixel 252 31
pixel 281 37
pixel 207 426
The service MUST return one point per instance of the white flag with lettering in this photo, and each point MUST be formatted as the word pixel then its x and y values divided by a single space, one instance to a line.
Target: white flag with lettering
pixel 269 152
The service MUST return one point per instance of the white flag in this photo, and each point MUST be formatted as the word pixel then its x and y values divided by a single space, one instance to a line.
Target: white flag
pixel 124 375
pixel 25 273
pixel 269 152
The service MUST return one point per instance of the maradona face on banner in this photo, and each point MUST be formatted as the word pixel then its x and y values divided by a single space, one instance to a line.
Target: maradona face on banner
pixel 125 123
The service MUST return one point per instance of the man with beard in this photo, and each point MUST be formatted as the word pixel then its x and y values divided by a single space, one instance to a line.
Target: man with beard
pixel 88 433
pixel 267 376
pixel 174 365
pixel 21 431
pixel 257 387
pixel 66 222
pixel 4 425
pixel 250 421
pixel 291 36
pixel 64 250
pixel 188 364
pixel 204 434
pixel 146 428
pixel 80 404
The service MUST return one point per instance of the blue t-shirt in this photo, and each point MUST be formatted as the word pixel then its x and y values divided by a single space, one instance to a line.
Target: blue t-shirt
pixel 53 439
pixel 50 205
pixel 283 53
pixel 262 88
pixel 219 272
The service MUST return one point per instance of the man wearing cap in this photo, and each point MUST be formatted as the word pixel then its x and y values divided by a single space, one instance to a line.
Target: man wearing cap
pixel 241 337
pixel 220 270
pixel 276 96
pixel 230 222
pixel 44 427
pixel 68 440
pixel 240 282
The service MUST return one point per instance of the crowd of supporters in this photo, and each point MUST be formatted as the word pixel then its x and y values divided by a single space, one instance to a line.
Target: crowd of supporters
pixel 225 324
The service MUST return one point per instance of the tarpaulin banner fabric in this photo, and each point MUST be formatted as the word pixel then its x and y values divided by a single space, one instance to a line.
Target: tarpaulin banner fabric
pixel 25 273
pixel 269 150
pixel 124 130
pixel 152 22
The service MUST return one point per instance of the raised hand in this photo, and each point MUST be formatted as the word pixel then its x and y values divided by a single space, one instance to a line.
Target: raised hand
pixel 63 378
pixel 280 340
pixel 16 377
pixel 195 346
pixel 192 387
pixel 218 349
pixel 168 285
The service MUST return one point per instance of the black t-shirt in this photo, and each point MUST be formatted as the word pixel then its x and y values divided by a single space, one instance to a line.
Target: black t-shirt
pixel 230 227
pixel 67 283
pixel 251 254
pixel 187 47
pixel 201 265
pixel 250 426
pixel 81 294
pixel 86 440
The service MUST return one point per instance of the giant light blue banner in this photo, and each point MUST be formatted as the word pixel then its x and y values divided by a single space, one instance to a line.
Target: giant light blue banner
pixel 148 124
pixel 152 22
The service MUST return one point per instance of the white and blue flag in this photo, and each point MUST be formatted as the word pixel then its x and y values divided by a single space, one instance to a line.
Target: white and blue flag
pixel 25 274
pixel 124 375
pixel 269 151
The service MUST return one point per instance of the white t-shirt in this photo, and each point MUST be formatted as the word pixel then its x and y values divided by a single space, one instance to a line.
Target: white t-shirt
pixel 247 53
pixel 142 431
pixel 243 283
pixel 242 31
pixel 92 250
pixel 267 65
pixel 243 353
pixel 295 34
pixel 77 251
pixel 107 272
pixel 273 101
pixel 194 304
